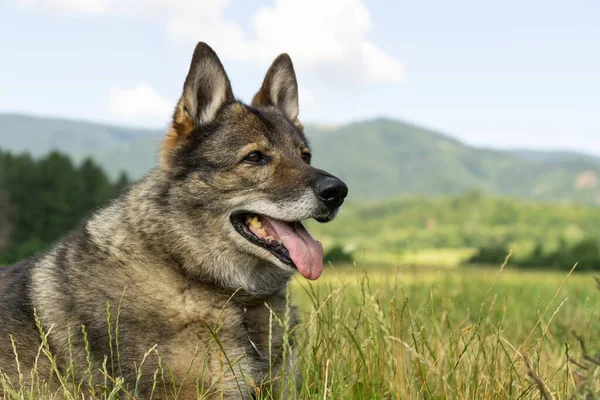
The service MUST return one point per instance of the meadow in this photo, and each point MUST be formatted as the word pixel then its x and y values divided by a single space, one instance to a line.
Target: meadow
pixel 452 333
pixel 429 333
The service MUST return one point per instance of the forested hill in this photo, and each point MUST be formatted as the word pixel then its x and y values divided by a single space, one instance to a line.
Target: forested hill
pixel 41 200
pixel 378 158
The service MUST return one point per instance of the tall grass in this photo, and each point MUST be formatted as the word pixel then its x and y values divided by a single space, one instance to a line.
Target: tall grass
pixel 386 334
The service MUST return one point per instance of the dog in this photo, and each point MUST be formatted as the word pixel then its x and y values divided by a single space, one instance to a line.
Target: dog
pixel 184 275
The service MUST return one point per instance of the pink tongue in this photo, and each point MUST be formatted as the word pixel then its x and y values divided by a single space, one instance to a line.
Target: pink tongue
pixel 305 251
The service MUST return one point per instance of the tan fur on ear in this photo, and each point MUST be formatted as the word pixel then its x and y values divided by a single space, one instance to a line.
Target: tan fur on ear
pixel 205 90
pixel 181 127
pixel 280 89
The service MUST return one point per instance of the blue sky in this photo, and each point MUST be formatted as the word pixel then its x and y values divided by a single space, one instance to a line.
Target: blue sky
pixel 501 74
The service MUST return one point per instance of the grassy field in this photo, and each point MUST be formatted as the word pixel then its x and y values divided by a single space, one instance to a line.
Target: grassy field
pixel 461 333
pixel 440 257
pixel 450 333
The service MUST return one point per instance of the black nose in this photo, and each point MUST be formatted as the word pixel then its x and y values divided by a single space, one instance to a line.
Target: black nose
pixel 331 190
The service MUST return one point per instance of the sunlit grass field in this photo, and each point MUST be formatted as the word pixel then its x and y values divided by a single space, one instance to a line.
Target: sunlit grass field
pixel 450 333
pixel 423 333
pixel 442 257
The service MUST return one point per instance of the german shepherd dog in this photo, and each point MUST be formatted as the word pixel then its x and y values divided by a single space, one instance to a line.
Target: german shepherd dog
pixel 184 273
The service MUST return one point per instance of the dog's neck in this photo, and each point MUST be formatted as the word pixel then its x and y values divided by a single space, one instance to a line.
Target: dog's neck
pixel 176 241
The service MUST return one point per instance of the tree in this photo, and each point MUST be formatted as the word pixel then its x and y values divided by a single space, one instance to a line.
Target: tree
pixel 95 185
pixel 48 197
pixel 123 181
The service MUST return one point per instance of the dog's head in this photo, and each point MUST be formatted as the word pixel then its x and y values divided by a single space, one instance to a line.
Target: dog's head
pixel 246 170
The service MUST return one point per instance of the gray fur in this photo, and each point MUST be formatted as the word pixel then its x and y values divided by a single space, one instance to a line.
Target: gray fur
pixel 168 261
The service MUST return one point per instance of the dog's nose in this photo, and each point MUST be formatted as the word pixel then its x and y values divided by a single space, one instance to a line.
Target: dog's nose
pixel 332 191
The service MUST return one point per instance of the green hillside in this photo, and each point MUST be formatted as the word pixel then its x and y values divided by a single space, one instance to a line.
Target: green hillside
pixel 383 158
pixel 379 158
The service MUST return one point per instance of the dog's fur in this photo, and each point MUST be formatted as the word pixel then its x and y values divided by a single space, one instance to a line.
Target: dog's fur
pixel 166 259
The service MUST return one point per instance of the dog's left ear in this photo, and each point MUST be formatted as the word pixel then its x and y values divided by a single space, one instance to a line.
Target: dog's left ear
pixel 205 90
pixel 280 89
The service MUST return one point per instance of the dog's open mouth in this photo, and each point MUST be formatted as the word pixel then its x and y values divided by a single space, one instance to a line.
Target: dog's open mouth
pixel 290 242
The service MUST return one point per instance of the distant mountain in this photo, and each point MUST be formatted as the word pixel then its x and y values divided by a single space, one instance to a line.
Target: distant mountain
pixel 555 157
pixel 383 158
pixel 378 158
pixel 39 135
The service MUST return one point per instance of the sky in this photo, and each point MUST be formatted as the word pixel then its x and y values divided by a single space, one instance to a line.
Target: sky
pixel 497 74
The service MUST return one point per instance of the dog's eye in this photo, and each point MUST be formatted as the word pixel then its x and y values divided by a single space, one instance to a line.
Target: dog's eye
pixel 306 157
pixel 256 157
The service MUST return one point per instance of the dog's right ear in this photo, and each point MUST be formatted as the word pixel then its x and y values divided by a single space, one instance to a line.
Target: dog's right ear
pixel 205 90
pixel 280 89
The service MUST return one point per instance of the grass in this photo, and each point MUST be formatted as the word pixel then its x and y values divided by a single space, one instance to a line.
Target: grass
pixel 458 333
pixel 439 257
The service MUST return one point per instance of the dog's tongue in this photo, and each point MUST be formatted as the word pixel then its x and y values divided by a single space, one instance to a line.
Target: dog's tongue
pixel 305 252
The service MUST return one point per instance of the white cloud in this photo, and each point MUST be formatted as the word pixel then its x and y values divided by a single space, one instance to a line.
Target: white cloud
pixel 139 102
pixel 326 37
pixel 69 6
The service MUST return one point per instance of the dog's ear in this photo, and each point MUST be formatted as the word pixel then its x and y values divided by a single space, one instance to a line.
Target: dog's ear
pixel 205 90
pixel 280 89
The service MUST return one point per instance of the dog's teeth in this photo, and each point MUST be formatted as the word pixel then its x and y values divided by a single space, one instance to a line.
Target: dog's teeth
pixel 261 232
pixel 255 222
